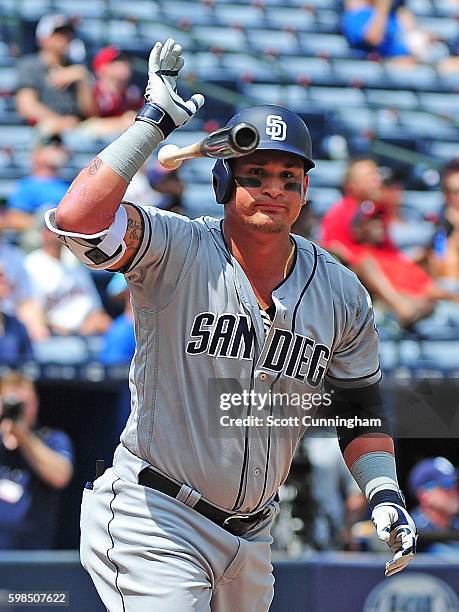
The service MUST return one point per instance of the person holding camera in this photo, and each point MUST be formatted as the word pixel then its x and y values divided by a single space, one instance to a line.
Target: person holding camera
pixel 35 464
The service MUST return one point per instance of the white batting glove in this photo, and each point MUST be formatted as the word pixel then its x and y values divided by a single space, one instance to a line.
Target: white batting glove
pixel 164 107
pixel 395 527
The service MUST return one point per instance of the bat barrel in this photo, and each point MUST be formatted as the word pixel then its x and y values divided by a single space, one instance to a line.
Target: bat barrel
pixel 228 142
pixel 244 138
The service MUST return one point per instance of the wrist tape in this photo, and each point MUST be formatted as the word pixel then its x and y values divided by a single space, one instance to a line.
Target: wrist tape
pixel 376 473
pixel 128 153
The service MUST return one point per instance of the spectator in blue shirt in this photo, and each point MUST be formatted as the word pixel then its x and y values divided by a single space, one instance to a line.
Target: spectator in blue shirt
pixel 15 345
pixel 41 190
pixel 35 464
pixel 119 340
pixel 434 483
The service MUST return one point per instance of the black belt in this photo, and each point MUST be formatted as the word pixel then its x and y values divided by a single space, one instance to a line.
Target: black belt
pixel 237 524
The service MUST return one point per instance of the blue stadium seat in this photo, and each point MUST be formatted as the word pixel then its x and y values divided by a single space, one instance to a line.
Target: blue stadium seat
pixel 8 79
pixel 120 32
pixel 322 198
pixel 328 173
pixel 389 98
pixel 241 14
pixel 427 125
pixel 262 40
pixel 438 102
pixel 315 68
pixel 300 20
pixel 195 12
pixel 336 97
pixel 262 93
pixel 445 28
pixel 229 39
pixel 34 9
pixel 415 77
pixel 153 31
pixel 421 7
pixel 140 9
pixel 82 8
pixel 369 73
pixel 426 202
pixel 444 151
pixel 93 30
pixel 17 135
pixel 333 45
pixel 357 118
pixel 183 139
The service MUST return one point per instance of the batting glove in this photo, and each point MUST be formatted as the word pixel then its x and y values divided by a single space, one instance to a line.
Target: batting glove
pixel 395 527
pixel 164 108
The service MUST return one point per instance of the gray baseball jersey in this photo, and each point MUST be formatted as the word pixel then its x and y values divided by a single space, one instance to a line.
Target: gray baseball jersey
pixel 197 319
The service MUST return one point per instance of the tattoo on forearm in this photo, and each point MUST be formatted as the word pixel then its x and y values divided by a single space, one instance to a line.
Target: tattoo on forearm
pixel 134 235
pixel 94 166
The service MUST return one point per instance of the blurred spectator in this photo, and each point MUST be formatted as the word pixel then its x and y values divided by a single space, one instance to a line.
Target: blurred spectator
pixel 51 93
pixel 389 30
pixel 444 259
pixel 119 340
pixel 35 464
pixel 15 345
pixel 434 483
pixel 407 228
pixel 117 100
pixel 41 190
pixel 19 301
pixel 156 186
pixel 339 499
pixel 65 289
pixel 168 187
pixel 355 230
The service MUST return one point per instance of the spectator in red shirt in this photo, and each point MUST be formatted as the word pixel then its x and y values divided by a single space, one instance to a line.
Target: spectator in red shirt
pixel 117 99
pixel 355 230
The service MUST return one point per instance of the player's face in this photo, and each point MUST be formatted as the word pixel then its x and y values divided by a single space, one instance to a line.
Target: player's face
pixel 270 190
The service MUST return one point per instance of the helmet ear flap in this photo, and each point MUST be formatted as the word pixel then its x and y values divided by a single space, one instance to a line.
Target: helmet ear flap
pixel 222 181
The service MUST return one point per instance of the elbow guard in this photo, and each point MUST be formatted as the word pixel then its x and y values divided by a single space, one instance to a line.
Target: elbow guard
pixel 97 251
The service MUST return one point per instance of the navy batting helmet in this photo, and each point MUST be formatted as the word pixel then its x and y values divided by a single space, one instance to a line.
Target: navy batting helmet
pixel 280 130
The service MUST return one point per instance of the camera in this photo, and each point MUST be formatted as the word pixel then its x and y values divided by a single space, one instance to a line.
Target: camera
pixel 12 408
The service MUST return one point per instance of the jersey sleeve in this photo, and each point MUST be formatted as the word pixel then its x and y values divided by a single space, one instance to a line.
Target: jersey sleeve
pixel 165 258
pixel 59 441
pixel 355 360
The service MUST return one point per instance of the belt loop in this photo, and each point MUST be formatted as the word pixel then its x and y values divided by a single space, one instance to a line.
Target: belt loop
pixel 188 496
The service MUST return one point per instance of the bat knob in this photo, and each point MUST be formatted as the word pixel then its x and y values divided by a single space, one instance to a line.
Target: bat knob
pixel 166 157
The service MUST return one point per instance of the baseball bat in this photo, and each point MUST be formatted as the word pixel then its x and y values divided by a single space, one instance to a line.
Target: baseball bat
pixel 240 139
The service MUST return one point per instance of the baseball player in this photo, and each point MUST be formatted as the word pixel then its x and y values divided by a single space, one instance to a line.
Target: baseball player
pixel 182 520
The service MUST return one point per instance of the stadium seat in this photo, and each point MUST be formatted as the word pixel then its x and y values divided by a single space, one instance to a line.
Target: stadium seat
pixel 241 14
pixel 332 45
pixel 261 93
pixel 426 202
pixel 229 39
pixel 390 98
pixel 321 197
pixel 446 29
pixel 421 7
pixel 445 151
pixel 438 102
pixel 8 79
pixel 369 73
pixel 415 77
pixel 143 9
pixel 336 97
pixel 81 8
pixel 194 12
pixel 199 200
pixel 427 125
pixel 328 173
pixel 315 69
pixel 299 20
pixel 357 118
pixel 263 40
